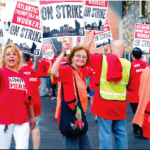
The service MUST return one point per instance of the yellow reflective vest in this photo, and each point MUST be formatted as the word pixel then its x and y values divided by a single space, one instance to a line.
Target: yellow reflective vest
pixel 110 90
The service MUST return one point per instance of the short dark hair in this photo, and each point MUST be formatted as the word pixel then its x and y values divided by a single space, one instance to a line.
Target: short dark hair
pixel 26 57
pixel 137 53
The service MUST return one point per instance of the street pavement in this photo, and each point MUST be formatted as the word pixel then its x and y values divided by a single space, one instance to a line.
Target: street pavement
pixel 52 139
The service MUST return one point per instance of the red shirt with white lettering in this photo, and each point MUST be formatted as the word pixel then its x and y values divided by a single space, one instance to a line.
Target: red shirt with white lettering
pixel 41 68
pixel 34 81
pixel 110 110
pixel 139 66
pixel 14 97
pixel 91 73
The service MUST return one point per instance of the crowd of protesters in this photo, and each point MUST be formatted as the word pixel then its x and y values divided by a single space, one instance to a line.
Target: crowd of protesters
pixel 112 80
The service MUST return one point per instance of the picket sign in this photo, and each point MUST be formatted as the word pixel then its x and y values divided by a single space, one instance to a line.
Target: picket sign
pixel 142 37
pixel 95 12
pixel 25 30
pixel 32 23
pixel 103 38
pixel 62 18
pixel 48 52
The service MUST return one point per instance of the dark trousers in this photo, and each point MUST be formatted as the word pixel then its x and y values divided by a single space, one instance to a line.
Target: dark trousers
pixel 80 142
pixel 53 90
pixel 136 127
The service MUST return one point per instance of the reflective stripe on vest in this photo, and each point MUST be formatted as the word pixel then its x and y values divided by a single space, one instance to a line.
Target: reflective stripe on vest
pixel 110 90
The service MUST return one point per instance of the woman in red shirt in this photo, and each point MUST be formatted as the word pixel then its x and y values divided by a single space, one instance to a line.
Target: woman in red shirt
pixel 78 58
pixel 15 101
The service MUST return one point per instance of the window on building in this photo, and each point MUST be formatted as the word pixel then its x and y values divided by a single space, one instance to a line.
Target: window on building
pixel 127 55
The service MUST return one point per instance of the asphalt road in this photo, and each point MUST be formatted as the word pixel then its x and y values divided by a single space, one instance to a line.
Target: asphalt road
pixel 52 139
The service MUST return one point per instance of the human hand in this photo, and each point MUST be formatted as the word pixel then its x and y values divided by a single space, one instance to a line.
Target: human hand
pixel 65 45
pixel 35 59
pixel 32 123
pixel 144 58
pixel 106 48
pixel 91 36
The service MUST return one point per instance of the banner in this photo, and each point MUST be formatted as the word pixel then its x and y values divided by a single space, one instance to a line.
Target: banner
pixel 95 14
pixel 48 52
pixel 25 30
pixel 62 18
pixel 103 38
pixel 142 37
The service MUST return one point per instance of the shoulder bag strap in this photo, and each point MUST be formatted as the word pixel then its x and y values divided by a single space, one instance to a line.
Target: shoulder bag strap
pixel 76 88
pixel 62 92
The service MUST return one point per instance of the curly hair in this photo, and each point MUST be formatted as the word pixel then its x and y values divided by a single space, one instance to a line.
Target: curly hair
pixel 15 49
pixel 78 48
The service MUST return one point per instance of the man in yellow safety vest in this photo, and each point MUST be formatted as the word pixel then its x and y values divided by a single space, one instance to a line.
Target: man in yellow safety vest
pixel 114 76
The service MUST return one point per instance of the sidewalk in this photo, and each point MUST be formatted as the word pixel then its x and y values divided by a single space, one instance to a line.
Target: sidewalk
pixel 52 139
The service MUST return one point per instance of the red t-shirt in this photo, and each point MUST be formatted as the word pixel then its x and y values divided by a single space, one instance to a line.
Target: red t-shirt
pixel 66 78
pixel 14 97
pixel 111 110
pixel 41 68
pixel 91 73
pixel 83 72
pixel 34 81
pixel 64 61
pixel 139 66
pixel 48 64
pixel 30 63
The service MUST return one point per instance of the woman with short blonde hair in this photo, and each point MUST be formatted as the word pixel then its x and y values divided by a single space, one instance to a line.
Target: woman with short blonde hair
pixel 15 101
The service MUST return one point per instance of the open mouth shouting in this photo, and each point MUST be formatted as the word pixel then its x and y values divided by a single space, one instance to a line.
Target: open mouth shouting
pixel 11 61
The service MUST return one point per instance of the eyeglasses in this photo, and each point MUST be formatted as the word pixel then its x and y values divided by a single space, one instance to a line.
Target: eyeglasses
pixel 8 54
pixel 79 56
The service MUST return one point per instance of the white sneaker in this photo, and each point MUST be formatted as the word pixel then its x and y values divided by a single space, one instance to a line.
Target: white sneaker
pixel 53 98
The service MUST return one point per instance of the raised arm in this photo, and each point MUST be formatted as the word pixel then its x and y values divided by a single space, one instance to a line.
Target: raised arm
pixel 90 39
pixel 56 65
pixel 34 63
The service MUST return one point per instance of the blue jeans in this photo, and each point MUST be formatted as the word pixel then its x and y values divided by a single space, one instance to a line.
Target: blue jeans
pixel 118 128
pixel 44 90
pixel 48 82
pixel 92 92
pixel 80 142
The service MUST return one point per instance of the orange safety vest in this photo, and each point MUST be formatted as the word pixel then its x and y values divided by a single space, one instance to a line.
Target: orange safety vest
pixel 144 97
pixel 82 93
